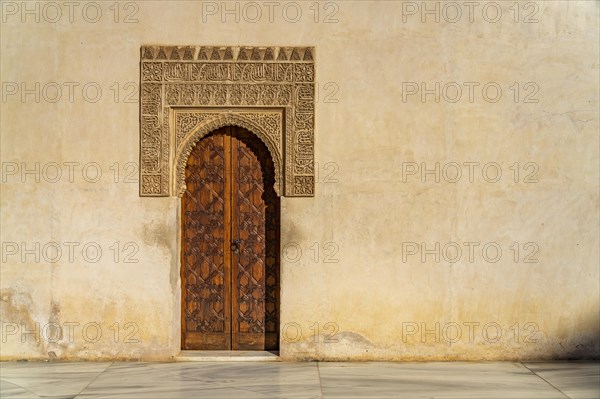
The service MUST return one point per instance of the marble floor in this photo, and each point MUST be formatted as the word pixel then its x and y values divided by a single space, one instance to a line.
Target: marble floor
pixel 502 380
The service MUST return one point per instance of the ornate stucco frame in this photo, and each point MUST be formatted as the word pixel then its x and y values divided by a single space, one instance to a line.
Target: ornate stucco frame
pixel 189 91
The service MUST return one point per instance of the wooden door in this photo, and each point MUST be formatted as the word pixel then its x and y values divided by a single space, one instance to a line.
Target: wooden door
pixel 230 245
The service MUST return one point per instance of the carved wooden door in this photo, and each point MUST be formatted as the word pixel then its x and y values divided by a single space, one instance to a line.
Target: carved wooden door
pixel 230 245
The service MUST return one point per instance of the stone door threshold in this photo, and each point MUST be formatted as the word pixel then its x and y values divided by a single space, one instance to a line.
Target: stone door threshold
pixel 227 356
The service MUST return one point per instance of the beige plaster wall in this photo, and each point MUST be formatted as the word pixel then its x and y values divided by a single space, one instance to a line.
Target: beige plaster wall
pixel 367 292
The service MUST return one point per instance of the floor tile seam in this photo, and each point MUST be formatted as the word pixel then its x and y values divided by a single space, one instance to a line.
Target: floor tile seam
pixel 93 379
pixel 545 380
pixel 320 381
pixel 22 387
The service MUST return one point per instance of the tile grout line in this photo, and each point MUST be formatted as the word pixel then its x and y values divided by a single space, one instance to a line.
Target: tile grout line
pixel 543 379
pixel 20 386
pixel 320 383
pixel 94 379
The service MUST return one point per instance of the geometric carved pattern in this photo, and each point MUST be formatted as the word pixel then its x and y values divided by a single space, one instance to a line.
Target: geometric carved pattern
pixel 230 296
pixel 248 268
pixel 256 224
pixel 188 90
pixel 203 256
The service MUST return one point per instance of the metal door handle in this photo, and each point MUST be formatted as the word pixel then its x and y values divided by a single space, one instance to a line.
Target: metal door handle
pixel 235 246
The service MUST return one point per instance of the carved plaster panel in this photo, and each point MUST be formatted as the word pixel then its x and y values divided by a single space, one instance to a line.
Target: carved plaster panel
pixel 189 91
pixel 191 125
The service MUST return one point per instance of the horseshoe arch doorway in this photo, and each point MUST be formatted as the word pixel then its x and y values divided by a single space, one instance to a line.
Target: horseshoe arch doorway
pixel 230 238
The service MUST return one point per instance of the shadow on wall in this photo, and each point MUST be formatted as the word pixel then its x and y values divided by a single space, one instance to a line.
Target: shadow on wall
pixel 579 341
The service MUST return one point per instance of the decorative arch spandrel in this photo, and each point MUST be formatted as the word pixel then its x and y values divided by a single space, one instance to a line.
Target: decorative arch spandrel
pixel 191 126
pixel 187 90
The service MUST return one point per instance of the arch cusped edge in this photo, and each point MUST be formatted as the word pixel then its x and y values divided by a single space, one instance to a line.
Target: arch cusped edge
pixel 272 139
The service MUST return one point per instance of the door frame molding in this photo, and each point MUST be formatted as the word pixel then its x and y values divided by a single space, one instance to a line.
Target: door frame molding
pixel 226 85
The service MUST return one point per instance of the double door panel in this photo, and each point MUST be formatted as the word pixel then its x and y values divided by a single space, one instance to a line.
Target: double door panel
pixel 230 245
